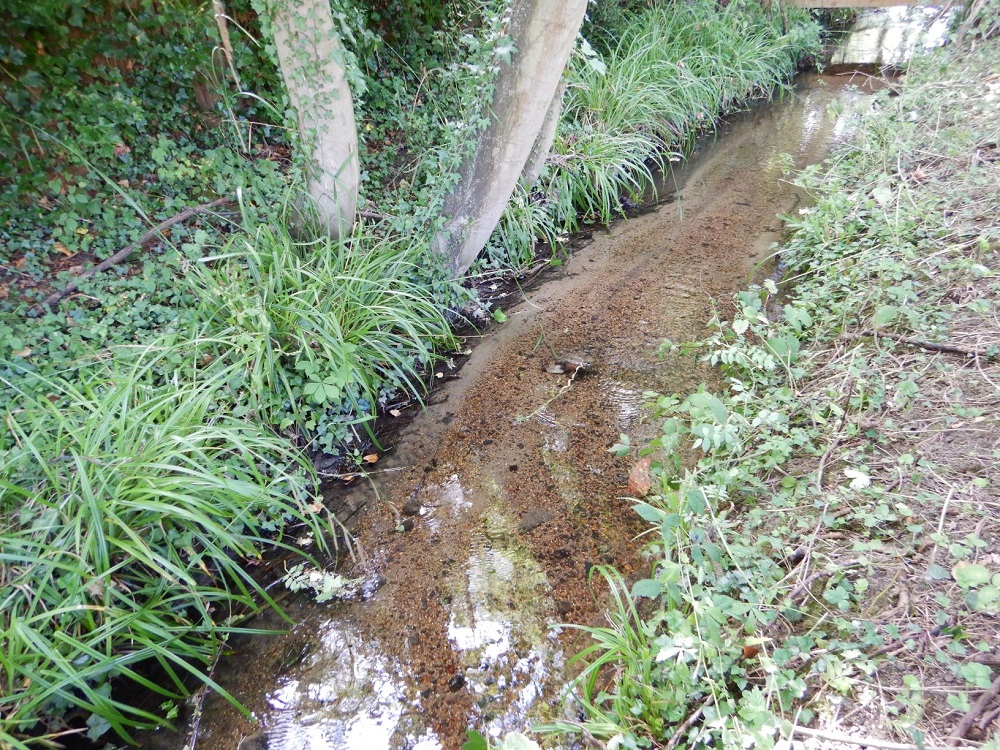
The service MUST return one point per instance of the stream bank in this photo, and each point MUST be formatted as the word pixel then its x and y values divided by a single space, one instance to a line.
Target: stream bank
pixel 505 484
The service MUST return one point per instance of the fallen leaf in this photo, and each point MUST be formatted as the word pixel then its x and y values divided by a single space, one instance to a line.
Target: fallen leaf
pixel 63 249
pixel 371 458
pixel 640 479
pixel 395 412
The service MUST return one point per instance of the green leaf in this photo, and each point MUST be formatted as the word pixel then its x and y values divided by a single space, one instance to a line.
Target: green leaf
pixel 976 674
pixel 475 741
pixel 968 575
pixel 884 315
pixel 648 513
pixel 647 588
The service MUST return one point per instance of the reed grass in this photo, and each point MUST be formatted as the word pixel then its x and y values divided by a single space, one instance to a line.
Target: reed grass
pixel 672 71
pixel 126 511
pixel 318 325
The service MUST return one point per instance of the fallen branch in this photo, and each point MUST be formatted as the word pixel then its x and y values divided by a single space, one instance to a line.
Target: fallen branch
pixel 126 251
pixel 678 735
pixel 978 708
pixel 864 741
pixel 930 346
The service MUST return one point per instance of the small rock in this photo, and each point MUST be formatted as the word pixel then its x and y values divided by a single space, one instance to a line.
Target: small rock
pixel 370 586
pixel 456 683
pixel 535 518
pixel 406 524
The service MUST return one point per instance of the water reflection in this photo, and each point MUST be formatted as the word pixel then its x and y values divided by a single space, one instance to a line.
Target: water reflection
pixel 348 696
pixel 891 36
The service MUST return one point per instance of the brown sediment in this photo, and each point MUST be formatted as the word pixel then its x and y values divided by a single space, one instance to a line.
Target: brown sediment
pixel 518 495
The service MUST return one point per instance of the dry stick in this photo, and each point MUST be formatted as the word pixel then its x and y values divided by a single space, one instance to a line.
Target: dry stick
pixel 867 741
pixel 126 251
pixel 679 733
pixel 973 713
pixel 947 349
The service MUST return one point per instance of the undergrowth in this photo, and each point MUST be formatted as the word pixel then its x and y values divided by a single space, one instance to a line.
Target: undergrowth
pixel 824 568
pixel 155 419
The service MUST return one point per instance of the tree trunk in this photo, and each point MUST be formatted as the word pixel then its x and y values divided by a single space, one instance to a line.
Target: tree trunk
pixel 543 33
pixel 312 64
pixel 546 137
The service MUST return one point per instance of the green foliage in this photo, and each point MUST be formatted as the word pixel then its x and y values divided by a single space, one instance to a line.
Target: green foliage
pixel 125 511
pixel 670 71
pixel 318 334
pixel 790 503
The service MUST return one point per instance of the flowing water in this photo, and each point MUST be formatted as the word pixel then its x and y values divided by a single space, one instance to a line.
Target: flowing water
pixel 481 524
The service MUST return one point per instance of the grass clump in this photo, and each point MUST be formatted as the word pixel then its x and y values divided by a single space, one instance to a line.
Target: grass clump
pixel 822 566
pixel 641 102
pixel 126 511
pixel 319 334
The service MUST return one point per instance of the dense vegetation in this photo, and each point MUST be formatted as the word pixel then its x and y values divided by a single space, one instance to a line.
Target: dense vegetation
pixel 825 566
pixel 158 421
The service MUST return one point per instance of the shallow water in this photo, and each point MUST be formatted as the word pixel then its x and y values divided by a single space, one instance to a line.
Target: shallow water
pixel 514 492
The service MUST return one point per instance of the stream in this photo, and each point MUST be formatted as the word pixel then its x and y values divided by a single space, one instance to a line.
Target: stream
pixel 477 530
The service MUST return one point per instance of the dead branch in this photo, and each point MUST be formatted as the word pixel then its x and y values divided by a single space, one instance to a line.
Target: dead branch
pixel 125 252
pixel 978 708
pixel 678 734
pixel 928 345
pixel 865 741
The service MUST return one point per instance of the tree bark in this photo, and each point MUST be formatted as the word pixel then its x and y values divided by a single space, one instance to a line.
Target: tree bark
pixel 546 137
pixel 312 64
pixel 543 33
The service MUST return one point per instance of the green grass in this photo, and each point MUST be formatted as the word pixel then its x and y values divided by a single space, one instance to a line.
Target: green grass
pixel 318 334
pixel 126 513
pixel 672 71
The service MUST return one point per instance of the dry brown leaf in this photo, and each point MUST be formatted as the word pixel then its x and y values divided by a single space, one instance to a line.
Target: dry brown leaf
pixel 371 458
pixel 640 479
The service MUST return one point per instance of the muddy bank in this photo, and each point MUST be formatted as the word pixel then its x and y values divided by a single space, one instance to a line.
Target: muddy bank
pixel 504 486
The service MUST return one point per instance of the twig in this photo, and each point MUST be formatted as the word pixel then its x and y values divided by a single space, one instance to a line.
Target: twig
pixel 866 741
pixel 221 19
pixel 126 251
pixel 679 732
pixel 930 346
pixel 973 713
pixel 846 400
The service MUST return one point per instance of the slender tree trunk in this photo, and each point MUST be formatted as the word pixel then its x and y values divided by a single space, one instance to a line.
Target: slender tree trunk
pixel 312 63
pixel 546 137
pixel 543 33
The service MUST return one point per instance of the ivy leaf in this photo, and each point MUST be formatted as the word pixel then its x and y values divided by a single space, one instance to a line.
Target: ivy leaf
pixel 647 588
pixel 884 315
pixel 967 575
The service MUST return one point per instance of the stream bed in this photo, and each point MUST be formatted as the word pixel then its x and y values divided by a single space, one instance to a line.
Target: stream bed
pixel 477 530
